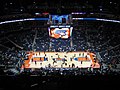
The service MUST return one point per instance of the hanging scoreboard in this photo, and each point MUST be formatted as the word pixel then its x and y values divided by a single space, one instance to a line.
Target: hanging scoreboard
pixel 60 32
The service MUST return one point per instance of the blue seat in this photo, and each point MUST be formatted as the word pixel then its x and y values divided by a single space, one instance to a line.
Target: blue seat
pixel 45 59
pixel 76 59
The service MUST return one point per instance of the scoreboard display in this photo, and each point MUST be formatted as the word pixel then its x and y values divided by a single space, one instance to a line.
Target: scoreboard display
pixel 60 26
pixel 63 32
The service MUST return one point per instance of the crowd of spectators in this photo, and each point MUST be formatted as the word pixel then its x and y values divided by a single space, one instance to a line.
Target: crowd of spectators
pixel 68 72
pixel 60 45
pixel 11 61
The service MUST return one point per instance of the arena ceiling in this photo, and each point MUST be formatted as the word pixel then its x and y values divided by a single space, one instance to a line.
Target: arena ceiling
pixel 59 6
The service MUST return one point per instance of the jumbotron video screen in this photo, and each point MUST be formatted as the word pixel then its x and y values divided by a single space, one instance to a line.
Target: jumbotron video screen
pixel 60 32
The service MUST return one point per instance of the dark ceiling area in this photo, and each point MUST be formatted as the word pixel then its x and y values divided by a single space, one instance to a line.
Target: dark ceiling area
pixel 59 6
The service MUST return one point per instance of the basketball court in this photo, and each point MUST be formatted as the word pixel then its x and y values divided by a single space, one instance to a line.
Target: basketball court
pixel 61 60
